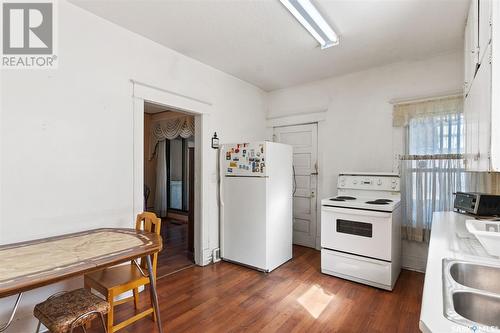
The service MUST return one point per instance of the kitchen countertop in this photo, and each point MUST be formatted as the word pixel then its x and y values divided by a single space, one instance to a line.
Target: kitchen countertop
pixel 449 239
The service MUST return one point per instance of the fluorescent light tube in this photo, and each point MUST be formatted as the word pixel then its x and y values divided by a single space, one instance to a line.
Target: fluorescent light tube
pixel 305 12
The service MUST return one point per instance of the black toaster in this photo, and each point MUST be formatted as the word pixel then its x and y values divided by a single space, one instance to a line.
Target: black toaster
pixel 480 204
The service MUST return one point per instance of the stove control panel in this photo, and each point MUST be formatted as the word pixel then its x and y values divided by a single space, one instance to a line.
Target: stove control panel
pixel 376 182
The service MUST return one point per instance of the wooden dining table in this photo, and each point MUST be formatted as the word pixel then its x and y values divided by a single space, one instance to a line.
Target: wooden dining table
pixel 28 265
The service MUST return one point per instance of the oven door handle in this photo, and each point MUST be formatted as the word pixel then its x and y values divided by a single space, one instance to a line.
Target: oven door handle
pixel 355 212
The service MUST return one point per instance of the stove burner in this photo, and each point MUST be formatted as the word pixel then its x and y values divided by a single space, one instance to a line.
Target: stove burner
pixel 337 199
pixel 345 197
pixel 376 202
pixel 384 200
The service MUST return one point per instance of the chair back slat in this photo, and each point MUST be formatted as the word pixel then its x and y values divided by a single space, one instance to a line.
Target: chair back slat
pixel 149 222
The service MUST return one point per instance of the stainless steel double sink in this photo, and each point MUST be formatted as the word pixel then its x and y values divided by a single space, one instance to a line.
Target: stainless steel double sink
pixel 471 294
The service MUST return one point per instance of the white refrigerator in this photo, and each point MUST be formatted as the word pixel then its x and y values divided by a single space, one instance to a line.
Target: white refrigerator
pixel 256 204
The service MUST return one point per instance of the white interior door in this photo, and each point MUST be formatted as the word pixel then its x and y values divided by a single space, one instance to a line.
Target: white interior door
pixel 304 140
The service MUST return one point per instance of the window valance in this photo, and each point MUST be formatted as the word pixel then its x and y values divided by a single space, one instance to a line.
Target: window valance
pixel 171 129
pixel 403 112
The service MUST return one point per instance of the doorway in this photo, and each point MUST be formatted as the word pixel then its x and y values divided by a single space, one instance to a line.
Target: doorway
pixel 169 163
pixel 304 140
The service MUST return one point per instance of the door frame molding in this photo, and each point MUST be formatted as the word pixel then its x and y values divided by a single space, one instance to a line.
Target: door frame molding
pixel 303 118
pixel 143 92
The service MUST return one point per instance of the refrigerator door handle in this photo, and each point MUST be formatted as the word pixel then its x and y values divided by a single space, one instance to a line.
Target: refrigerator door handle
pixel 221 202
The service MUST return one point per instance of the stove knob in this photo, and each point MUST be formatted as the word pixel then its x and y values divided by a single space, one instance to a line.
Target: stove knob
pixel 355 182
pixel 379 182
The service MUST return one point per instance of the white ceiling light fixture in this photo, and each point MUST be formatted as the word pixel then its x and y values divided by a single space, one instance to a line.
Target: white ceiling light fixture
pixel 307 14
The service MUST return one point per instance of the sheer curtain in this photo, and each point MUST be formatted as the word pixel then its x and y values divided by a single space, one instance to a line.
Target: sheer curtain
pixel 161 193
pixel 427 187
pixel 432 169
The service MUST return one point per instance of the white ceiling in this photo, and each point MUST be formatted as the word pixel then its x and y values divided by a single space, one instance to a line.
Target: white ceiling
pixel 260 42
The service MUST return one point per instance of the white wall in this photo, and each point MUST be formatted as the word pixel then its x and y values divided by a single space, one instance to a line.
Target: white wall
pixel 357 134
pixel 66 134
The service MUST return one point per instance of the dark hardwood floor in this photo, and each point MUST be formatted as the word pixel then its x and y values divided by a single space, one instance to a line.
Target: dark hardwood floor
pixel 175 255
pixel 294 298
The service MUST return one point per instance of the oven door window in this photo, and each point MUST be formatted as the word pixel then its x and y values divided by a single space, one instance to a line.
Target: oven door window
pixel 355 228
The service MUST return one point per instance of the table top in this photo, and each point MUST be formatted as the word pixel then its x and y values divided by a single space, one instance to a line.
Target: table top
pixel 28 265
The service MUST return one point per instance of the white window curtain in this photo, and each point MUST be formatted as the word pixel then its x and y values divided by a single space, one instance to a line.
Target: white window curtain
pixel 163 130
pixel 404 112
pixel 161 193
pixel 171 129
pixel 427 187
pixel 432 169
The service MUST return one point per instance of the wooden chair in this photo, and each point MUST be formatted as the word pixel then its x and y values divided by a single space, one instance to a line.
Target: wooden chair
pixel 111 282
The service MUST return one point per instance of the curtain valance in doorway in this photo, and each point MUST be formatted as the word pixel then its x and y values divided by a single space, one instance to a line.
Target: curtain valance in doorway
pixel 171 129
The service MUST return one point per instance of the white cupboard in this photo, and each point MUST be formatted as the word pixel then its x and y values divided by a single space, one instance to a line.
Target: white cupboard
pixel 484 28
pixel 481 106
pixel 477 106
pixel 495 87
pixel 471 45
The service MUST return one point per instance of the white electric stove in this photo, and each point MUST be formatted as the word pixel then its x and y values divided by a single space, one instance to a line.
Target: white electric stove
pixel 360 229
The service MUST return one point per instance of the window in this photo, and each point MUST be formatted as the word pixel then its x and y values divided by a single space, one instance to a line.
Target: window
pixel 177 180
pixel 432 169
pixel 436 135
